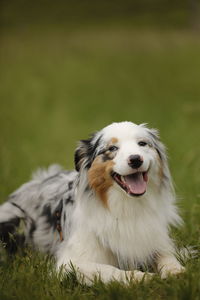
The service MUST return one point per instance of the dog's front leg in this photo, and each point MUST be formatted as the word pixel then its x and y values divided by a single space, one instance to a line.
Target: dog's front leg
pixel 167 264
pixel 88 271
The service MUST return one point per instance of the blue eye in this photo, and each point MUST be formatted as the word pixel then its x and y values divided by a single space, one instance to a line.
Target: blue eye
pixel 113 148
pixel 142 143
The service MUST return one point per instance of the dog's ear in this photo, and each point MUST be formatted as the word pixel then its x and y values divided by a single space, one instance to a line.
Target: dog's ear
pixel 157 144
pixel 87 151
pixel 161 150
pixel 81 153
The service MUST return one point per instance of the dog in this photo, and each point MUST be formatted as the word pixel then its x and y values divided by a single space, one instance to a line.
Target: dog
pixel 110 217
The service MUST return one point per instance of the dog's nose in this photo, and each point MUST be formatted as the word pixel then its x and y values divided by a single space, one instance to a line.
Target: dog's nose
pixel 135 161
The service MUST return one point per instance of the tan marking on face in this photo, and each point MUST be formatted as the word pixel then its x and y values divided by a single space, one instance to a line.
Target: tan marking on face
pixel 114 140
pixel 99 177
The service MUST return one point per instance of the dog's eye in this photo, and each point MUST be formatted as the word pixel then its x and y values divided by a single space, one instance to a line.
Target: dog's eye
pixel 113 148
pixel 142 143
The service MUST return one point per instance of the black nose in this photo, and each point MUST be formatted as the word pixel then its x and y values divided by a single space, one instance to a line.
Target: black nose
pixel 135 161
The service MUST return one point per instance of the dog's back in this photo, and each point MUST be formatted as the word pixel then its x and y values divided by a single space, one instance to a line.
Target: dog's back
pixel 38 207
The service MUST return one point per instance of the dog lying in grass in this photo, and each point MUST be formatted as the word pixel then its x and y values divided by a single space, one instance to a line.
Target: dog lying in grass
pixel 110 217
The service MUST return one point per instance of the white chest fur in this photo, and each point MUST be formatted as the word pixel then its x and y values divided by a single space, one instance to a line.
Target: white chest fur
pixel 133 229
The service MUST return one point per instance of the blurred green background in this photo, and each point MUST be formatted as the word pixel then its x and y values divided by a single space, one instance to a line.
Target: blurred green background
pixel 69 68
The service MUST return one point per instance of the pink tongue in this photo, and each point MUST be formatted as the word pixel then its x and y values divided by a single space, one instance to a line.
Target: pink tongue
pixel 136 183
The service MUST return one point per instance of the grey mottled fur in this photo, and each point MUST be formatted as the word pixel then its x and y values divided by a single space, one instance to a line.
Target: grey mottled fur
pixel 36 203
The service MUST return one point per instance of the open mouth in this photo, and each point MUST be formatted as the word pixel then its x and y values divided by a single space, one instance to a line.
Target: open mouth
pixel 133 184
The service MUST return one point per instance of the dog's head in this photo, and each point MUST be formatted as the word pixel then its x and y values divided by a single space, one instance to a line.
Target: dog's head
pixel 127 156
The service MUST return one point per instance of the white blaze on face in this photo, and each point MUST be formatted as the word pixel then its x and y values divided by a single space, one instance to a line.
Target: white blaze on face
pixel 128 135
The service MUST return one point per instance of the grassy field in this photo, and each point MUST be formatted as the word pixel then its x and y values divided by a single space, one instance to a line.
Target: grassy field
pixel 58 84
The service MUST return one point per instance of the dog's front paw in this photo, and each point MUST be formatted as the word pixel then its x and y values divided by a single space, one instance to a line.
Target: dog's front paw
pixel 138 276
pixel 171 270
pixel 148 276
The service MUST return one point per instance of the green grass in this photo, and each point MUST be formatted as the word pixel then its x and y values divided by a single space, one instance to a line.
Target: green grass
pixel 59 84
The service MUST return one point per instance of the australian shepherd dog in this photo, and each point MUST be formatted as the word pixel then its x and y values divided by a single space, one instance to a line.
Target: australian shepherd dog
pixel 108 218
